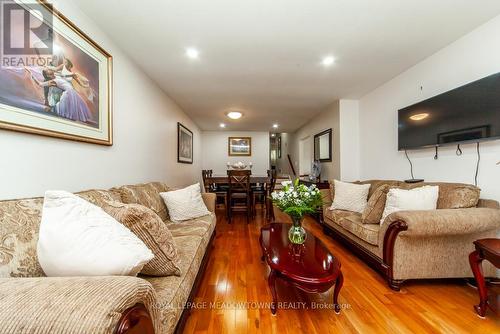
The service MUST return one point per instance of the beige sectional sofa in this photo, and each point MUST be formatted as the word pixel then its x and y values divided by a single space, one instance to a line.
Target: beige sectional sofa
pixel 416 244
pixel 33 303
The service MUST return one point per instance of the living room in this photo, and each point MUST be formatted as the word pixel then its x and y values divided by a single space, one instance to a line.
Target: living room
pixel 247 167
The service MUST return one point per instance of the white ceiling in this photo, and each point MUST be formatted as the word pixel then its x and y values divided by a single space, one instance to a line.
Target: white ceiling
pixel 263 56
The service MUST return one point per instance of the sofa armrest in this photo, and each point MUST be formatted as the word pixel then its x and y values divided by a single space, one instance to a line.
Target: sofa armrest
pixel 444 222
pixel 488 203
pixel 77 305
pixel 209 199
pixel 326 196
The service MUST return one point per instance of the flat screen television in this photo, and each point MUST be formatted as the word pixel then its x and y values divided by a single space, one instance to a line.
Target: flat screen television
pixel 470 113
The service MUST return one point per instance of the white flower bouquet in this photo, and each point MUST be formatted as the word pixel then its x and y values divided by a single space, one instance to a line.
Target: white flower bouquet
pixel 296 200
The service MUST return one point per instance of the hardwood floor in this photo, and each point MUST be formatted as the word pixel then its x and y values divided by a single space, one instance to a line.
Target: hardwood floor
pixel 235 274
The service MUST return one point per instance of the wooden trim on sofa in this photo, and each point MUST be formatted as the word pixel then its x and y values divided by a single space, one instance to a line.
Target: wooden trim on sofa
pixel 196 285
pixel 135 320
pixel 388 252
pixel 384 265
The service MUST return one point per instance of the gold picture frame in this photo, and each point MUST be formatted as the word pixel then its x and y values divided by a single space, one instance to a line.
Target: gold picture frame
pixel 97 129
pixel 239 146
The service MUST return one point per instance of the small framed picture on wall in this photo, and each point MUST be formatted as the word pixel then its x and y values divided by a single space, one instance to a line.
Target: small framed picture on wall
pixel 184 144
pixel 279 147
pixel 239 146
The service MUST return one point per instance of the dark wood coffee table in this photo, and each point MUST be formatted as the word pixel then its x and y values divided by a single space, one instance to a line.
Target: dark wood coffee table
pixel 310 267
pixel 486 249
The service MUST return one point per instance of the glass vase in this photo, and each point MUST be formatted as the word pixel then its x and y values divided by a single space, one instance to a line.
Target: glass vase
pixel 297 234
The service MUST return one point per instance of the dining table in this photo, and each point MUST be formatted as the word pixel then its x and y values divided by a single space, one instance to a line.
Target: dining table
pixel 223 179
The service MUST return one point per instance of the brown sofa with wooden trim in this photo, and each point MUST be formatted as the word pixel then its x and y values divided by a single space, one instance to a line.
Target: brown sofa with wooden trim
pixel 416 244
pixel 33 303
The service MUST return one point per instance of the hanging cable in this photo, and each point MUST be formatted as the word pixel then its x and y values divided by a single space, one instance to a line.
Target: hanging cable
pixel 458 151
pixel 477 164
pixel 411 165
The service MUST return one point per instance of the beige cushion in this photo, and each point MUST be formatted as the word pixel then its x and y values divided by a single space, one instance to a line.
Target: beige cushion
pixel 185 204
pixel 451 196
pixel 148 195
pixel 375 206
pixel 336 215
pixel 350 196
pixel 202 227
pixel 19 224
pixel 375 184
pixel 421 198
pixel 366 232
pixel 148 226
pixel 99 197
pixel 192 238
pixel 78 238
pixel 454 195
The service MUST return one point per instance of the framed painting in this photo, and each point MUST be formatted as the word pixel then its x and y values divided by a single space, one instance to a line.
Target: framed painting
pixel 184 144
pixel 54 79
pixel 239 146
pixel 279 147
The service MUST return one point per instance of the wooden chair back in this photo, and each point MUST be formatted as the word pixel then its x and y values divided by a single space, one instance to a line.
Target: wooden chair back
pixel 239 180
pixel 205 175
pixel 272 181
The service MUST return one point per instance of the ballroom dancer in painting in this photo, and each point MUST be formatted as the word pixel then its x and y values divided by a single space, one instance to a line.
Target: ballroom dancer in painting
pixel 52 93
pixel 70 105
pixel 65 71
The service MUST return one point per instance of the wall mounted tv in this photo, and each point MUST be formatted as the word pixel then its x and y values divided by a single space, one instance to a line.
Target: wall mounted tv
pixel 470 113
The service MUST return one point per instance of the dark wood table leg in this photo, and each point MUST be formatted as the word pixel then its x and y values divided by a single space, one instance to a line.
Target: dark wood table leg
pixel 475 260
pixel 272 285
pixel 338 286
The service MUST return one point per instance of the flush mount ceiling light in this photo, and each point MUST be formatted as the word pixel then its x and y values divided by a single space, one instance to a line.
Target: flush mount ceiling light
pixel 234 114
pixel 275 126
pixel 419 117
pixel 222 125
pixel 192 53
pixel 328 61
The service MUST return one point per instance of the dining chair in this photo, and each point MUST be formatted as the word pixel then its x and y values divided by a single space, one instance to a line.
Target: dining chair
pixel 205 174
pixel 270 188
pixel 239 194
pixel 260 191
pixel 219 191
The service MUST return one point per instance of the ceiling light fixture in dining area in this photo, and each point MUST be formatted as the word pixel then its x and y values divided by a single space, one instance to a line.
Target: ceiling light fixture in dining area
pixel 192 53
pixel 328 61
pixel 234 114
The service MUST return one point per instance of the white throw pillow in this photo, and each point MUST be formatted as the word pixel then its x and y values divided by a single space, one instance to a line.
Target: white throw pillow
pixel 421 198
pixel 350 196
pixel 185 204
pixel 78 238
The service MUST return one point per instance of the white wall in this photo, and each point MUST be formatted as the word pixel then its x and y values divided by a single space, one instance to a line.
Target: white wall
pixel 349 140
pixel 145 138
pixel 329 118
pixel 472 57
pixel 215 157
